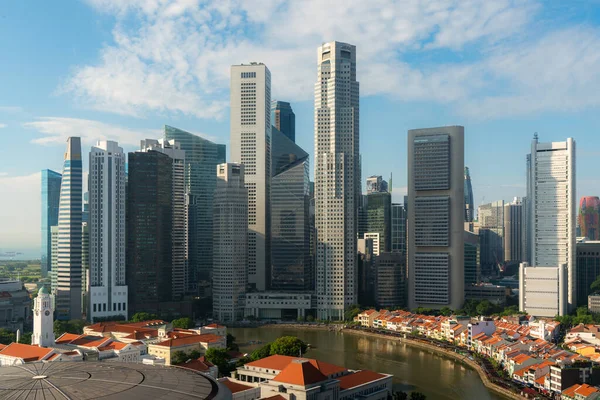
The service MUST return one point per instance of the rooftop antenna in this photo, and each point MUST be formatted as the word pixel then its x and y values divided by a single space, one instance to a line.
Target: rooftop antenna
pixel 535 136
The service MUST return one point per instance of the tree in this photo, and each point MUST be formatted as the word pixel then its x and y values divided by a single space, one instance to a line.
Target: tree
pixel 446 311
pixel 179 357
pixel 300 318
pixel 310 318
pixel 143 316
pixel 231 344
pixel 399 396
pixel 25 338
pixel 6 336
pixel 595 286
pixel 263 352
pixel 183 323
pixel 417 396
pixel 484 308
pixel 288 346
pixel 352 312
pixel 220 358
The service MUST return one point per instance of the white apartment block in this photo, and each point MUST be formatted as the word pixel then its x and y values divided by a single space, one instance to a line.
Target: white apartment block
pixel 250 124
pixel 230 243
pixel 107 287
pixel 552 208
pixel 180 221
pixel 374 236
pixel 542 290
pixel 337 178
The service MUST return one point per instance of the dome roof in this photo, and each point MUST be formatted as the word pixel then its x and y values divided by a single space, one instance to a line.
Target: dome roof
pixel 43 290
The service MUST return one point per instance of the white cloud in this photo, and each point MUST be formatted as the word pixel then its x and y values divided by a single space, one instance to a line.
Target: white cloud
pixel 20 211
pixel 483 58
pixel 2 126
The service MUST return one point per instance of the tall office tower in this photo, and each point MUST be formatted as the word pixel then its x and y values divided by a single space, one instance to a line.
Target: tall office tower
pixel 588 268
pixel 525 248
pixel 201 159
pixel 290 216
pixel 436 217
pixel 68 277
pixel 53 272
pixel 472 264
pixel 107 287
pixel 250 123
pixel 149 254
pixel 469 206
pixel 390 280
pixel 552 219
pixel 589 217
pixel 366 275
pixel 230 243
pixel 374 183
pixel 85 216
pixel 284 119
pixel 337 178
pixel 313 233
pixel 362 216
pixel 50 200
pixel 513 231
pixel 179 244
pixel 85 265
pixel 379 215
pixel 399 214
pixel 491 234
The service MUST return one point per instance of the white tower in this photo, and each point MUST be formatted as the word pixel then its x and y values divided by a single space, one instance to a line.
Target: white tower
pixel 43 319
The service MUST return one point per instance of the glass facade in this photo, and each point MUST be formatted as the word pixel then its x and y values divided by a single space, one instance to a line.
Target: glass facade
pixel 472 267
pixel 379 214
pixel 391 280
pixel 202 157
pixel 149 223
pixel 588 269
pixel 469 207
pixel 399 228
pixel 491 235
pixel 284 119
pixel 50 201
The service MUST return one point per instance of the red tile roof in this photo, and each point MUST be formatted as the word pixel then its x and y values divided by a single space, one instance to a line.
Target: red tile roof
pixel 190 339
pixel 25 351
pixel 113 346
pixel 585 390
pixel 570 391
pixel 2 346
pixel 275 362
pixel 90 341
pixel 300 372
pixel 276 397
pixel 214 326
pixel 66 338
pixel 200 364
pixel 358 378
pixel 234 386
pixel 52 357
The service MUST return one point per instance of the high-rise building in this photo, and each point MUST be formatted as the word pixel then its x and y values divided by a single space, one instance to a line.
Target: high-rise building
pixel 374 184
pixel 284 119
pixel 390 280
pixel 201 159
pixel 491 234
pixel 399 213
pixel 588 268
pixel 469 206
pixel 366 275
pixel 179 230
pixel 290 216
pixel 108 289
pixel 149 255
pixel 50 201
pixel 525 247
pixel 472 263
pixel 68 277
pixel 379 218
pixel 589 217
pixel 230 243
pixel 436 217
pixel 513 231
pixel 337 178
pixel 53 272
pixel 250 124
pixel 362 218
pixel 85 265
pixel 552 218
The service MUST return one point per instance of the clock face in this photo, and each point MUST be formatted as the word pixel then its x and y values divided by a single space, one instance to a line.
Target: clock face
pixel 47 313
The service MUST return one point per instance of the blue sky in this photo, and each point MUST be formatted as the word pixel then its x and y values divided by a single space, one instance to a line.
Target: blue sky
pixel 121 69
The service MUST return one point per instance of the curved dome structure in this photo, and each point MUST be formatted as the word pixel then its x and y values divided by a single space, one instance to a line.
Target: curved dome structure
pixel 106 380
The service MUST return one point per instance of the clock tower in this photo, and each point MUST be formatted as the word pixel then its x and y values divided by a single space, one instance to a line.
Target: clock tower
pixel 43 319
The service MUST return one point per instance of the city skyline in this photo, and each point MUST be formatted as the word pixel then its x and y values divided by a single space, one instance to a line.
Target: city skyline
pixel 42 110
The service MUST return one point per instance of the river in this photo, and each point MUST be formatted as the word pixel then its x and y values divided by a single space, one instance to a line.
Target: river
pixel 413 369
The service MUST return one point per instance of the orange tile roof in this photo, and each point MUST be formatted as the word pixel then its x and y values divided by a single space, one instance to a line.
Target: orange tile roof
pixel 2 346
pixel 52 357
pixel 520 372
pixel 541 380
pixel 215 326
pixel 276 397
pixel 358 378
pixel 190 339
pixel 113 346
pixel 66 338
pixel 143 334
pixel 25 351
pixel 586 390
pixel 570 391
pixel 521 358
pixel 200 364
pixel 234 386
pixel 300 372
pixel 326 368
pixel 275 362
pixel 90 341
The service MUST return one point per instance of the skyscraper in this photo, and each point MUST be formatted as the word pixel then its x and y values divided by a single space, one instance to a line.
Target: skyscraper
pixel 513 231
pixel 337 178
pixel 379 215
pixel 230 243
pixel 472 264
pixel 108 290
pixel 50 201
pixel 284 119
pixel 491 234
pixel 374 183
pixel 250 123
pixel 201 159
pixel 399 214
pixel 390 280
pixel 588 268
pixel 436 217
pixel 589 217
pixel 68 277
pixel 469 207
pixel 290 216
pixel 551 194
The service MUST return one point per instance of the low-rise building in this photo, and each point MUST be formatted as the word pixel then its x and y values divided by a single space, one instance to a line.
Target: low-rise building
pixel 19 353
pixel 580 392
pixel 594 303
pixel 15 305
pixel 367 317
pixel 203 366
pixel 276 305
pixel 241 391
pixel 495 294
pixel 185 343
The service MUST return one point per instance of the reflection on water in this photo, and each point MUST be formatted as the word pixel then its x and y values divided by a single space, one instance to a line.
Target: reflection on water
pixel 413 369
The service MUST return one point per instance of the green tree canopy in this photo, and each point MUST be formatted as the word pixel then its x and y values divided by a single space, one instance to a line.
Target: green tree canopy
pixel 446 311
pixel 288 346
pixel 351 312
pixel 231 344
pixel 484 308
pixel 6 336
pixel 220 358
pixel 143 316
pixel 417 396
pixel 183 323
pixel 595 286
pixel 263 352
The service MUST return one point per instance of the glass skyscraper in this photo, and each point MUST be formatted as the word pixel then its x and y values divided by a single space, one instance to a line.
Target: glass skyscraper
pixel 379 213
pixel 469 207
pixel 284 119
pixel 201 159
pixel 399 228
pixel 50 200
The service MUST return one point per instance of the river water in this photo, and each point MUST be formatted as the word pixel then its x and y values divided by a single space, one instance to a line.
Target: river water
pixel 413 369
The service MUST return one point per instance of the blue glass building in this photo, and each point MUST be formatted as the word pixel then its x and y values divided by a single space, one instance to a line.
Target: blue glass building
pixel 284 119
pixel 50 199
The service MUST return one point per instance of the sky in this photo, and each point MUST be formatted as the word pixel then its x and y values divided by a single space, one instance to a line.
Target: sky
pixel 121 69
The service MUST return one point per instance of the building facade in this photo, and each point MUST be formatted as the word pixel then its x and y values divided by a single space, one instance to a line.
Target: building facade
pixel 552 219
pixel 43 319
pixel 543 290
pixel 513 231
pixel 15 304
pixel 250 124
pixel 398 229
pixel 588 268
pixel 201 159
pixel 50 201
pixel 337 178
pixel 230 243
pixel 589 217
pixel 390 286
pixel 68 277
pixel 469 206
pixel 379 218
pixel 436 217
pixel 472 265
pixel 284 119
pixel 108 289
pixel 290 216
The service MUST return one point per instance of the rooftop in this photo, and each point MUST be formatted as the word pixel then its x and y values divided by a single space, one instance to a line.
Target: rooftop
pixel 279 363
pixel 190 339
pixel 234 386
pixel 25 351
pixel 300 372
pixel 358 378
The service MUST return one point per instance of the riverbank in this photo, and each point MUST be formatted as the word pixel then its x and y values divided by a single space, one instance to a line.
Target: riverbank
pixel 447 353
pixel 320 327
